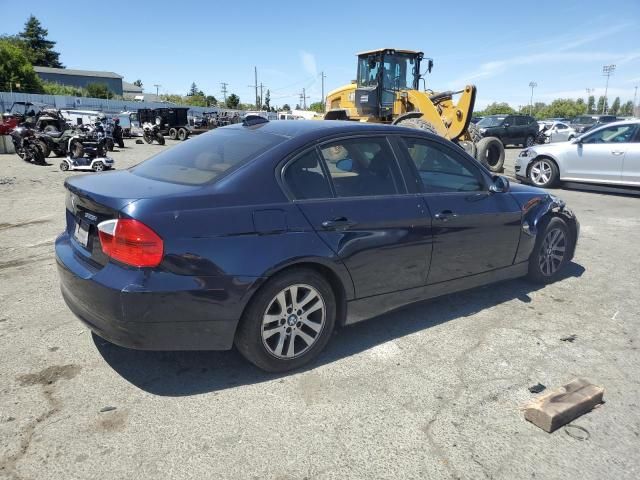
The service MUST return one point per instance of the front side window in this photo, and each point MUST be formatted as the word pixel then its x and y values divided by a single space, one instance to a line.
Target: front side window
pixel 305 179
pixel 362 167
pixel 368 71
pixel 487 122
pixel 441 169
pixel 617 134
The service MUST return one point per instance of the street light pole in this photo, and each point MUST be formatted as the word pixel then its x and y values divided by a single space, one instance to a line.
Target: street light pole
pixel 607 71
pixel 532 85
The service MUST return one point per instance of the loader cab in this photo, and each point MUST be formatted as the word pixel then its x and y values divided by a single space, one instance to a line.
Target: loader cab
pixel 381 74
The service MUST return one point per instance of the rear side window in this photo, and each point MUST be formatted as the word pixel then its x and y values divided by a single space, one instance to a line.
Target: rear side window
pixel 618 134
pixel 305 179
pixel 441 169
pixel 362 167
pixel 202 159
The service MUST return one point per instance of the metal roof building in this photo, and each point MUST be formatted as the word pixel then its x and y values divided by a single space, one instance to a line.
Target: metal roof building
pixel 81 78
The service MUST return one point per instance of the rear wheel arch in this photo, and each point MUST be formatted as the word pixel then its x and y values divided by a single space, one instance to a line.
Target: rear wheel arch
pixel 340 290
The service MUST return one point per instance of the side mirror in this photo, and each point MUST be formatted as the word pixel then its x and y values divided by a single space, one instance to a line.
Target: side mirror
pixel 506 124
pixel 500 184
pixel 345 165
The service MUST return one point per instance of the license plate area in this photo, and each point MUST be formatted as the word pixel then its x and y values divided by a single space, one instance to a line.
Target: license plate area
pixel 81 233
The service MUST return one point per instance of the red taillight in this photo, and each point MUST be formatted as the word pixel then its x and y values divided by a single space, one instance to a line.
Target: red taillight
pixel 130 241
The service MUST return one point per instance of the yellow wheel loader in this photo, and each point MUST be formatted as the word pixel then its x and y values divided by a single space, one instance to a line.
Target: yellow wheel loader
pixel 387 90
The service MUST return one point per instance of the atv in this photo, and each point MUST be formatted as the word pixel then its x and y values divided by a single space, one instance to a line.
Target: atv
pixel 27 145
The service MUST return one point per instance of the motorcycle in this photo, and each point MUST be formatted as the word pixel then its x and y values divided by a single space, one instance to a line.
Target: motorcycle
pixel 27 145
pixel 151 132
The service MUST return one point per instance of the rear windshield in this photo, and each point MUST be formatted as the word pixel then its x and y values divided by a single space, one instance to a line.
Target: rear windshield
pixel 202 159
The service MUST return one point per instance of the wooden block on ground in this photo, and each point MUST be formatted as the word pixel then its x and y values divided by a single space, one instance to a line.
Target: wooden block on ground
pixel 558 407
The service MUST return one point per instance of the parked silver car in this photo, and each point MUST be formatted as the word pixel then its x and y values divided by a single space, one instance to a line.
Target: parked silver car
pixel 608 155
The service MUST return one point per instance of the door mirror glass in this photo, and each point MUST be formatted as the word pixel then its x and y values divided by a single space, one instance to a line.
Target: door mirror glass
pixel 500 184
pixel 346 165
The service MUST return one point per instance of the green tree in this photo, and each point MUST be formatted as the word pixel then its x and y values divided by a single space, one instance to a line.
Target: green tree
pixel 177 99
pixel 563 108
pixel 601 105
pixel 16 72
pixel 267 100
pixel 297 107
pixel 39 50
pixel 138 83
pixel 627 109
pixel 193 90
pixel 232 101
pixel 615 106
pixel 54 88
pixel 286 107
pixel 99 90
pixel 316 107
pixel 591 104
pixel 497 108
pixel 211 101
pixel 196 100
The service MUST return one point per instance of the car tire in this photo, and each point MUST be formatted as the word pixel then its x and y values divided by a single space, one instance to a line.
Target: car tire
pixel 173 133
pixel 98 167
pixel 64 166
pixel 529 141
pixel 490 153
pixel 551 251
pixel 268 328
pixel 182 134
pixel 543 173
pixel 419 124
pixel 474 133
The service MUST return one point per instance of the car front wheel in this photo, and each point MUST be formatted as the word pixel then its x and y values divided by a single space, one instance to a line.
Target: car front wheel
pixel 288 322
pixel 551 252
pixel 543 173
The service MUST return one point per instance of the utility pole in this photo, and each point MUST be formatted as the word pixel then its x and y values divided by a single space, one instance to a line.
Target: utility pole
pixel 157 89
pixel 303 99
pixel 532 85
pixel 323 76
pixel 261 97
pixel 607 71
pixel 255 85
pixel 635 95
pixel 224 91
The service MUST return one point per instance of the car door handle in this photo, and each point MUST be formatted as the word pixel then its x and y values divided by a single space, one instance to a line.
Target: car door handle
pixel 616 152
pixel 445 215
pixel 339 223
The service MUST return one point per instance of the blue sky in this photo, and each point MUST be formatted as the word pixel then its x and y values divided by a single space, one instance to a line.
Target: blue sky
pixel 500 45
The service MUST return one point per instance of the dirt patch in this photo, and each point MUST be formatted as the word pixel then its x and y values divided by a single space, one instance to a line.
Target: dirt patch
pixel 114 421
pixel 49 375
pixel 38 221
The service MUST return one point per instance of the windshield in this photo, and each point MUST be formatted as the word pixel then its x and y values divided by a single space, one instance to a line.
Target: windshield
pixel 204 158
pixel 490 122
pixel 398 71
pixel 583 120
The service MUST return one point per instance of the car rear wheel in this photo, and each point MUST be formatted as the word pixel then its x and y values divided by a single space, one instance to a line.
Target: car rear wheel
pixel 183 134
pixel 173 133
pixel 543 173
pixel 551 252
pixel 288 322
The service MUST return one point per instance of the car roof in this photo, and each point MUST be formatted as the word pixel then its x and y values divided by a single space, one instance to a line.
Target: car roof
pixel 320 127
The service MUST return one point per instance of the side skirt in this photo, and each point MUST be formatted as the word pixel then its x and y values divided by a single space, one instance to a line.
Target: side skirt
pixel 369 307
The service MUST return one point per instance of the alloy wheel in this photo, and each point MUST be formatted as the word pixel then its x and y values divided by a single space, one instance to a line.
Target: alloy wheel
pixel 552 251
pixel 541 172
pixel 530 141
pixel 293 321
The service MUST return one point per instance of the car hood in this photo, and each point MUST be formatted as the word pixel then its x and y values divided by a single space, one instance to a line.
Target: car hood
pixel 551 149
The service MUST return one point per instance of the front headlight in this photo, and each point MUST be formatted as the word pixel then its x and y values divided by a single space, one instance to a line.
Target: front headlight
pixel 526 153
pixel 483 131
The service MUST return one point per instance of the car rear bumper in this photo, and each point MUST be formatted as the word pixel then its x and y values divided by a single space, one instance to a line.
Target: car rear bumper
pixel 152 310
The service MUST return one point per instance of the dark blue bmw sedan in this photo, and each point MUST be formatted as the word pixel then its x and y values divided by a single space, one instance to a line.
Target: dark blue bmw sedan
pixel 269 236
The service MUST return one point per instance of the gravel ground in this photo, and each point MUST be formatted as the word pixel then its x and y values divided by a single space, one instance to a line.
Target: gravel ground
pixel 430 391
